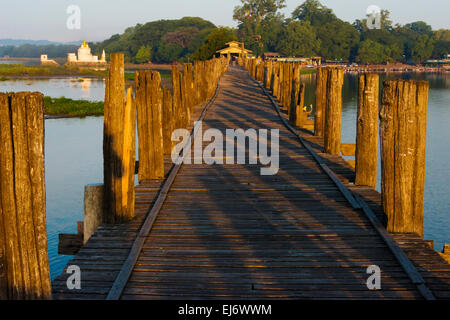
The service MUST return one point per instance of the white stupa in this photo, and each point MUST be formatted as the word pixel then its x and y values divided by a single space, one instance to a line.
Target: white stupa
pixel 85 56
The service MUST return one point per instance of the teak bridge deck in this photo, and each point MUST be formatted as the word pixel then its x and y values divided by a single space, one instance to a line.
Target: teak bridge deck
pixel 227 232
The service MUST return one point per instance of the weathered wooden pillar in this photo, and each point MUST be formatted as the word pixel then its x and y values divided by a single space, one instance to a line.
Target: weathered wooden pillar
pixel 333 111
pixel 269 74
pixel 403 136
pixel 367 131
pixel 23 235
pixel 119 145
pixel 93 209
pixel 168 121
pixel 149 113
pixel 321 101
pixel 176 89
pixel 297 101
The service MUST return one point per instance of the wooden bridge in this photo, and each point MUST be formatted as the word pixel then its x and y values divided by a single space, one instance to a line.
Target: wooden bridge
pixel 228 232
pixel 315 229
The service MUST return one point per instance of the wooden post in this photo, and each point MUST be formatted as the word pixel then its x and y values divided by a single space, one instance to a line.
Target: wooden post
pixel 403 134
pixel 93 209
pixel 119 145
pixel 321 100
pixel 149 111
pixel 297 102
pixel 23 236
pixel 333 111
pixel 419 165
pixel 367 131
pixel 168 124
pixel 176 89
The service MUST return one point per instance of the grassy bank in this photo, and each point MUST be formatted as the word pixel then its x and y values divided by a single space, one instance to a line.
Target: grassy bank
pixel 308 71
pixel 19 70
pixel 34 71
pixel 64 107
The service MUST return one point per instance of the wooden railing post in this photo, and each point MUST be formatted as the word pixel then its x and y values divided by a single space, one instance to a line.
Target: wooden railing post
pixel 367 131
pixel 119 145
pixel 296 101
pixel 176 89
pixel 403 136
pixel 168 121
pixel 93 209
pixel 150 113
pixel 333 111
pixel 23 245
pixel 321 101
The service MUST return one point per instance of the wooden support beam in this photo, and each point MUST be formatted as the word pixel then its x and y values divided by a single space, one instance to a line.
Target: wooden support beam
pixel 367 131
pixel 333 111
pixel 403 130
pixel 93 209
pixel 321 101
pixel 119 145
pixel 149 99
pixel 23 244
pixel 168 121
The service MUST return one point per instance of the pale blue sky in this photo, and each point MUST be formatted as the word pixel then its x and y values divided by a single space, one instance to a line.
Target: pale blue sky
pixel 46 19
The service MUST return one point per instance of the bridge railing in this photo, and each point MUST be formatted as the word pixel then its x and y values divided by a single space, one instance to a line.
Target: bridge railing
pixel 400 119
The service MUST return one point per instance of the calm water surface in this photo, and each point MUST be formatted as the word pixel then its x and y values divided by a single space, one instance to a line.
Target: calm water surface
pixel 73 150
pixel 77 88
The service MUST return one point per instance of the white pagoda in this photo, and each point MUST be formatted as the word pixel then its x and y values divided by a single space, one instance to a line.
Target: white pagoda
pixel 85 56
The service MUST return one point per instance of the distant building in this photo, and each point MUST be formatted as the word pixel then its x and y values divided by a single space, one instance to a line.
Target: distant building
pixel 310 61
pixel 234 49
pixel 85 56
pixel 45 61
pixel 271 55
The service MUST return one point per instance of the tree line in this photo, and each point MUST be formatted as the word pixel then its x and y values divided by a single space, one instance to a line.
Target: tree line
pixel 311 30
pixel 314 30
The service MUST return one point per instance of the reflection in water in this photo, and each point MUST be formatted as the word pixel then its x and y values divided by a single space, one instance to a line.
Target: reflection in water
pixel 91 89
pixel 437 189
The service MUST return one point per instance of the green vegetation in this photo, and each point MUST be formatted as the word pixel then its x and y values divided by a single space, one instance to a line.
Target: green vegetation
pixel 314 29
pixel 72 108
pixel 21 70
pixel 311 30
pixel 47 71
pixel 144 54
pixel 216 40
pixel 169 40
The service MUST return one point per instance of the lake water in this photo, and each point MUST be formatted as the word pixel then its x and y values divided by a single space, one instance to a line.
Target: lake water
pixel 92 89
pixel 73 150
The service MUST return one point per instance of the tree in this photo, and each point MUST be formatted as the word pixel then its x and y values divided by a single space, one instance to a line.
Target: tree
pixel 259 23
pixel 216 40
pixel 168 52
pixel 299 39
pixel 144 54
pixel 441 48
pixel 257 9
pixel 371 52
pixel 442 35
pixel 422 49
pixel 338 38
pixel 314 12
